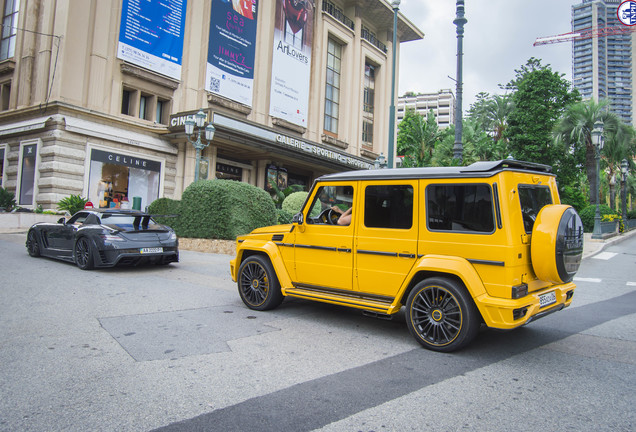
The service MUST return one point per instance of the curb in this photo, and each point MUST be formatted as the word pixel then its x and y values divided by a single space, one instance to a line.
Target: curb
pixel 613 240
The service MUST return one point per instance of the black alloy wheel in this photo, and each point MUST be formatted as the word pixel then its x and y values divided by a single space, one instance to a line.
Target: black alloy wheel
pixel 33 247
pixel 441 315
pixel 258 285
pixel 83 254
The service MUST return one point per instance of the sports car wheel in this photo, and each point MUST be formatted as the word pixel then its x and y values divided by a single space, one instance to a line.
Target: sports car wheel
pixel 258 285
pixel 83 254
pixel 33 247
pixel 441 315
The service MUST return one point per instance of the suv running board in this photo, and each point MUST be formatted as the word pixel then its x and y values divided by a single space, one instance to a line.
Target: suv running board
pixel 381 305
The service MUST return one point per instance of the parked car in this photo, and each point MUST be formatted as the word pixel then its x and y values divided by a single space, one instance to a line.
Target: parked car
pixel 457 247
pixel 104 238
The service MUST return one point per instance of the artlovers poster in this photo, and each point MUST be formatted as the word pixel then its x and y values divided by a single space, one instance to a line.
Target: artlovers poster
pixel 291 60
pixel 151 35
pixel 231 50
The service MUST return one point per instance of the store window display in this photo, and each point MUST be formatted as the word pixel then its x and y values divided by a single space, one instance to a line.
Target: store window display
pixel 121 181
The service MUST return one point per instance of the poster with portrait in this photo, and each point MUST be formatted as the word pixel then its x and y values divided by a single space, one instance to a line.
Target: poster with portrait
pixel 231 50
pixel 291 60
pixel 151 35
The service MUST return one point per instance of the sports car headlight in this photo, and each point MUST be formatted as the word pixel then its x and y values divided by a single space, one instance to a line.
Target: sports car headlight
pixel 173 236
pixel 111 237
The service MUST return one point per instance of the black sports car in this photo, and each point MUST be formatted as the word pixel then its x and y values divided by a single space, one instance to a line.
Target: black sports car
pixel 105 238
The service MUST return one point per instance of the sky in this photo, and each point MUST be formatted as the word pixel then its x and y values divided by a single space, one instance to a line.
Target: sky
pixel 498 39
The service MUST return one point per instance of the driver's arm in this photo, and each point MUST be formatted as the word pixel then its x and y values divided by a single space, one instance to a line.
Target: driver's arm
pixel 345 218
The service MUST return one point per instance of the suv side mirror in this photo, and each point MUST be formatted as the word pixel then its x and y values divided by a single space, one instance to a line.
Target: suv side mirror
pixel 298 219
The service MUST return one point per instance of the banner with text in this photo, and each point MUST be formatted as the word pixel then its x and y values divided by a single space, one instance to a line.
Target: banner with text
pixel 231 50
pixel 151 35
pixel 291 60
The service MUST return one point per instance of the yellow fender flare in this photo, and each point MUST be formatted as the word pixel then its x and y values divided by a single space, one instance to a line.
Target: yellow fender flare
pixel 455 266
pixel 273 254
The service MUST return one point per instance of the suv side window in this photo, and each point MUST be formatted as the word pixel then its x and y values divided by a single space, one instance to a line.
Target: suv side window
pixel 327 197
pixel 533 199
pixel 460 208
pixel 388 206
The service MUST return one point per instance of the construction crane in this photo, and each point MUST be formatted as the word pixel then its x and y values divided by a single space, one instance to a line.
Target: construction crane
pixel 586 33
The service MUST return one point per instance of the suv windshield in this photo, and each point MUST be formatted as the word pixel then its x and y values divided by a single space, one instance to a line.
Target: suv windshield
pixel 533 199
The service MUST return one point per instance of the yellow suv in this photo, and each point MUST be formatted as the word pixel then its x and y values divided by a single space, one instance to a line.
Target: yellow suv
pixel 457 247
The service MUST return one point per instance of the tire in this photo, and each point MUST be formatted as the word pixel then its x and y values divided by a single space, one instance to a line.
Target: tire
pixel 441 316
pixel 258 285
pixel 557 244
pixel 33 245
pixel 83 253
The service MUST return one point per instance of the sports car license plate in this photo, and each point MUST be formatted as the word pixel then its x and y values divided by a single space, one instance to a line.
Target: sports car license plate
pixel 547 299
pixel 151 250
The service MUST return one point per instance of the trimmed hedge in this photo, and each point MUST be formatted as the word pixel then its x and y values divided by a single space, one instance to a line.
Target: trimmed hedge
pixel 588 213
pixel 294 202
pixel 224 209
pixel 166 206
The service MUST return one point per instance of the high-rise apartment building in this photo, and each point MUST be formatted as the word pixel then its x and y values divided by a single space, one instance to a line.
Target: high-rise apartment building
pixel 602 66
pixel 442 103
pixel 94 94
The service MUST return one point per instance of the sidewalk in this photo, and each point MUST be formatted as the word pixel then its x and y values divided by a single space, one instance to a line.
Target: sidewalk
pixel 592 247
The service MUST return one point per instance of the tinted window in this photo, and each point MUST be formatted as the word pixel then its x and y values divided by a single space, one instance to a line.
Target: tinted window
pixel 532 199
pixel 388 206
pixel 127 222
pixel 459 208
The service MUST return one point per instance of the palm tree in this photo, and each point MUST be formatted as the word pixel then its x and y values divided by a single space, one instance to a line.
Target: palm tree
pixel 575 127
pixel 617 147
pixel 499 108
pixel 417 137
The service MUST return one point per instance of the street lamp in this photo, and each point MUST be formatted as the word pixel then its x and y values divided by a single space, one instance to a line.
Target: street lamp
pixel 597 140
pixel 458 148
pixel 380 162
pixel 624 169
pixel 199 122
pixel 395 4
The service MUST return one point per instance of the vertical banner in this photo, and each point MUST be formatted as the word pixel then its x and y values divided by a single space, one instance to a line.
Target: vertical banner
pixel 231 50
pixel 151 35
pixel 291 60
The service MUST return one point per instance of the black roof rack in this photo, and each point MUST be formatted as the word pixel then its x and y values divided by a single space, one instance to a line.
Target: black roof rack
pixel 478 169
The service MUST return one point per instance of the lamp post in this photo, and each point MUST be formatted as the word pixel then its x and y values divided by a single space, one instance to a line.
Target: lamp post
pixel 380 162
pixel 598 141
pixel 459 21
pixel 199 122
pixel 624 169
pixel 395 4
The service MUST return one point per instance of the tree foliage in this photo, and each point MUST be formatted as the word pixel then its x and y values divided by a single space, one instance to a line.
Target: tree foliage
pixel 417 137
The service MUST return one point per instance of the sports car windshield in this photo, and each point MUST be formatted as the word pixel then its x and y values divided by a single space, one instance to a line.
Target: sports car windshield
pixel 130 222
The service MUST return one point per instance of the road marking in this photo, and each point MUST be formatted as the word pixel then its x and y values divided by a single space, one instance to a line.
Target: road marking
pixel 582 279
pixel 631 284
pixel 605 255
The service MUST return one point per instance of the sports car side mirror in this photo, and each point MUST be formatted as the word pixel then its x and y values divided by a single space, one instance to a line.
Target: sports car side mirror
pixel 298 219
pixel 62 220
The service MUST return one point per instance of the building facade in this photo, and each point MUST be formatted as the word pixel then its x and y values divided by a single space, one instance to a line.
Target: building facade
pixel 602 66
pixel 95 94
pixel 442 103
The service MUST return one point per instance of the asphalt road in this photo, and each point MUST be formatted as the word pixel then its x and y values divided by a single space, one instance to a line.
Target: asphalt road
pixel 174 349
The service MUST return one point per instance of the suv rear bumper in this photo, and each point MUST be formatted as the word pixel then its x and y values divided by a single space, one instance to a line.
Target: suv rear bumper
pixel 508 313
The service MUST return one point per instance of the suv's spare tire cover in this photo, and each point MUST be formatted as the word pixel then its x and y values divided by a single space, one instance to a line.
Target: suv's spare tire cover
pixel 557 243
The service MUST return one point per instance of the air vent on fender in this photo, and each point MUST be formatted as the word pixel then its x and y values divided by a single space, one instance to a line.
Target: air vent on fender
pixel 278 237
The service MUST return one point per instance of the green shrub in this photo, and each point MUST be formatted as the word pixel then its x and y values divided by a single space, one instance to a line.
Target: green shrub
pixel 224 209
pixel 72 204
pixel 294 202
pixel 166 206
pixel 588 213
pixel 631 214
pixel 284 217
pixel 7 200
pixel 573 196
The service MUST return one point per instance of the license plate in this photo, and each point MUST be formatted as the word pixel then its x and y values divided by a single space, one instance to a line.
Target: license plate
pixel 151 250
pixel 547 299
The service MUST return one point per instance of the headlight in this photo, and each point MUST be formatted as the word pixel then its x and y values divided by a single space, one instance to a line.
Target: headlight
pixel 173 236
